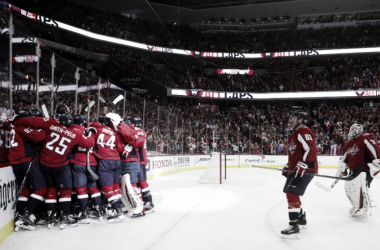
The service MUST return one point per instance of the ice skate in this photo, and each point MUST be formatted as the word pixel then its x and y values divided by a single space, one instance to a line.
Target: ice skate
pixel 67 222
pixel 115 216
pixel 82 217
pixel 360 212
pixel 133 214
pixel 292 232
pixel 51 220
pixel 149 207
pixel 302 221
pixel 23 221
pixel 41 219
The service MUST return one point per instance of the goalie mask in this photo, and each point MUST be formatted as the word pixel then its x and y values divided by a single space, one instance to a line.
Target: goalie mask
pixel 355 130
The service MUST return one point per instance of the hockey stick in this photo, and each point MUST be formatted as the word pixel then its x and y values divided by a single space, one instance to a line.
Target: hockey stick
pixel 349 178
pixel 89 169
pixel 117 99
pixel 22 184
pixel 87 107
pixel 44 111
pixel 327 189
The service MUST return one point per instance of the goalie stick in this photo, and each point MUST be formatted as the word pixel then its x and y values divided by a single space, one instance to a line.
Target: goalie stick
pixel 22 184
pixel 349 178
pixel 89 169
pixel 327 189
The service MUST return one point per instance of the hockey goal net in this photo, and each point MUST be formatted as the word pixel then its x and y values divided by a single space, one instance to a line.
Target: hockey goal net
pixel 216 170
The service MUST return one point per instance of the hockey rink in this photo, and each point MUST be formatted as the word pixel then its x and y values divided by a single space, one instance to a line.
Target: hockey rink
pixel 247 211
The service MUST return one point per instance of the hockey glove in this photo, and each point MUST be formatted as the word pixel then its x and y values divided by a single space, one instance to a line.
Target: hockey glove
pixel 374 168
pixel 285 169
pixel 376 162
pixel 90 131
pixel 342 169
pixel 115 119
pixel 301 168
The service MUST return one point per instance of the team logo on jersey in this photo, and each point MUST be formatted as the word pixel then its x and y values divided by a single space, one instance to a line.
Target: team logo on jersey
pixel 353 150
pixel 292 147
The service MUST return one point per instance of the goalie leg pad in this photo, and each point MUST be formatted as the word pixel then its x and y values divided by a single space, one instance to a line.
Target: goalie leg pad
pixel 131 196
pixel 357 194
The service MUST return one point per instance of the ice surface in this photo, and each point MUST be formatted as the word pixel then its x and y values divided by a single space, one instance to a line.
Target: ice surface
pixel 247 211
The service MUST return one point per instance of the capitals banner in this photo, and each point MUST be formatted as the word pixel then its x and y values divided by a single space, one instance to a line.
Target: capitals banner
pixel 235 71
pixel 199 93
pixel 158 49
pixel 27 58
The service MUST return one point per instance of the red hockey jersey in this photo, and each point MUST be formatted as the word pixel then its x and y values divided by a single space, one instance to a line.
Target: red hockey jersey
pixel 301 147
pixel 142 150
pixel 22 146
pixel 129 136
pixel 360 151
pixel 107 145
pixel 4 143
pixel 80 154
pixel 59 140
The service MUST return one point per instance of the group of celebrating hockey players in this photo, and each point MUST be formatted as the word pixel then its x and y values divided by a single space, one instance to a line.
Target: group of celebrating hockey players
pixel 107 159
pixel 359 165
pixel 51 157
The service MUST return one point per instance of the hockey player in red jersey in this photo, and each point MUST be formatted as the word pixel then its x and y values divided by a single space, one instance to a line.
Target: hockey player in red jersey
pixel 107 149
pixel 54 160
pixel 5 129
pixel 361 161
pixel 23 150
pixel 302 159
pixel 82 179
pixel 141 177
pixel 131 194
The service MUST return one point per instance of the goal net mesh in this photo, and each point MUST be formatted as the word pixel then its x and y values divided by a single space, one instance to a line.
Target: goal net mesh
pixel 215 170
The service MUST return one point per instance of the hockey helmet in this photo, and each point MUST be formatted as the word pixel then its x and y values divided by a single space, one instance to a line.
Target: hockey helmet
pixel 24 113
pixel 66 120
pixel 355 130
pixel 79 120
pixel 104 120
pixel 136 121
pixel 62 109
pixel 36 113
pixel 301 115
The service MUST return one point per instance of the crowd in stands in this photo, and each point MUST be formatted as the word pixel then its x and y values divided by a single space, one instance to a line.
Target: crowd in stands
pixel 176 126
pixel 322 74
pixel 271 75
pixel 114 24
pixel 183 126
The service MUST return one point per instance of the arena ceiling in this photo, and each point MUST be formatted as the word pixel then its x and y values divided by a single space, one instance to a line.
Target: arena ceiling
pixel 205 4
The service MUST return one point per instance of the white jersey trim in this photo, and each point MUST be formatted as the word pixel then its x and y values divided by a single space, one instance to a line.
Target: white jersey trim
pixel 371 148
pixel 304 145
